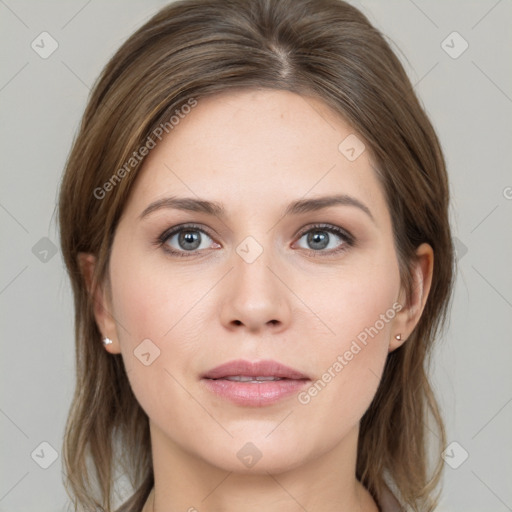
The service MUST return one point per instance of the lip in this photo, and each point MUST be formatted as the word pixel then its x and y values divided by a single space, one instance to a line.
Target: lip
pixel 254 394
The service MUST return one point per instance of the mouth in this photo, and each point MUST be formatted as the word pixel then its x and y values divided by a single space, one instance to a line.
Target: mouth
pixel 254 384
pixel 247 378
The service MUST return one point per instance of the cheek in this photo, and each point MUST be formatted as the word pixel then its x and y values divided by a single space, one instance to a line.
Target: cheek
pixel 349 372
pixel 361 297
pixel 151 301
pixel 360 309
pixel 159 324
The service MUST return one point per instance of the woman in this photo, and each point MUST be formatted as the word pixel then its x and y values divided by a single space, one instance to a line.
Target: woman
pixel 254 220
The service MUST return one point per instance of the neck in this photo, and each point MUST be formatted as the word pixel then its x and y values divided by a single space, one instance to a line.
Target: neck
pixel 325 484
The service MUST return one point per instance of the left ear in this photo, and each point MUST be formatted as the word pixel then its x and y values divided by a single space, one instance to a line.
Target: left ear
pixel 408 317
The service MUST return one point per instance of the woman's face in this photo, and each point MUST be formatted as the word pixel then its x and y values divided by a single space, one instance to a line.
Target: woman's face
pixel 293 265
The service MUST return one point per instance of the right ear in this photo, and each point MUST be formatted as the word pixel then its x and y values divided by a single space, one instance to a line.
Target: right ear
pixel 101 302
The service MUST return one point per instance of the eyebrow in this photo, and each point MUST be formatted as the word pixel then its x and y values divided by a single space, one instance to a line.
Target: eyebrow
pixel 217 209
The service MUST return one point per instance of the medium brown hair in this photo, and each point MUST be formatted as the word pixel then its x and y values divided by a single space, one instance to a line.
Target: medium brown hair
pixel 196 48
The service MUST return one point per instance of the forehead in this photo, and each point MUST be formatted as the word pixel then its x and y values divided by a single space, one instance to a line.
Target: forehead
pixel 245 147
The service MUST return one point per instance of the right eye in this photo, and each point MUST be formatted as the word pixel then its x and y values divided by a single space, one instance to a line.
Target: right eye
pixel 183 239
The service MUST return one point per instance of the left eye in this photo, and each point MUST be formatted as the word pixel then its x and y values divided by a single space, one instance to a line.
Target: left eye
pixel 320 238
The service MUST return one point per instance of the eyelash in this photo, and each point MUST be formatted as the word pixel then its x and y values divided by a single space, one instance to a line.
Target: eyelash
pixel 348 239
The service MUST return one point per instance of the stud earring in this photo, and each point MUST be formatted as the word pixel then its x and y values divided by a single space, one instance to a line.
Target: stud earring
pixel 107 341
pixel 398 337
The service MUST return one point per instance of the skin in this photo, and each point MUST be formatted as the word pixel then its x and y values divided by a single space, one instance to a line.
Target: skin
pixel 256 151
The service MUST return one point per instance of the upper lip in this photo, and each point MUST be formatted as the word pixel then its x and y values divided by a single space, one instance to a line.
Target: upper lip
pixel 265 368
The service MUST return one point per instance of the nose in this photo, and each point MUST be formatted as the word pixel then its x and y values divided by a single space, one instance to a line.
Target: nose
pixel 256 296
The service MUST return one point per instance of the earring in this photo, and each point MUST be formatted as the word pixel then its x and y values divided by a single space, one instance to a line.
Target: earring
pixel 398 337
pixel 107 341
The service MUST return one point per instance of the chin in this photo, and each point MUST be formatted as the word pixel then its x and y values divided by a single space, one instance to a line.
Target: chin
pixel 256 455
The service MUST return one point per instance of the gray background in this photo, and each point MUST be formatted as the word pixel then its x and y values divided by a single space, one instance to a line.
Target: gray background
pixel 469 99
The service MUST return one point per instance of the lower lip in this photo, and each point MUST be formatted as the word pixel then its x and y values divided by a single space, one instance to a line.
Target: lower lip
pixel 255 394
